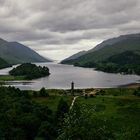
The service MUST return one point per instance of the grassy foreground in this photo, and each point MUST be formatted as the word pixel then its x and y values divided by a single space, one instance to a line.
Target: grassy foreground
pixel 99 114
pixel 119 106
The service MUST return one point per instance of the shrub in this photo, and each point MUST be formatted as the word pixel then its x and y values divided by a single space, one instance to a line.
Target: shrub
pixel 43 92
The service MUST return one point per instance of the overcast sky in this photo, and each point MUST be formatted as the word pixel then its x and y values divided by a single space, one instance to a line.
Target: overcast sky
pixel 59 28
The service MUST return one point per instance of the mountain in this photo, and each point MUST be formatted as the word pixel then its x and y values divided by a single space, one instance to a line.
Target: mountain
pixel 3 64
pixel 15 53
pixel 103 53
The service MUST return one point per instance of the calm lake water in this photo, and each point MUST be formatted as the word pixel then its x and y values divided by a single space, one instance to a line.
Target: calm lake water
pixel 62 76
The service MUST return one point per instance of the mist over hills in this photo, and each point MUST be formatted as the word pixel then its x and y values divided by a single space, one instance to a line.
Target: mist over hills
pixel 16 53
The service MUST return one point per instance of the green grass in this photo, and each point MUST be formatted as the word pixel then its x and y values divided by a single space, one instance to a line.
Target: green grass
pixel 118 106
pixel 122 110
pixel 52 101
pixel 11 78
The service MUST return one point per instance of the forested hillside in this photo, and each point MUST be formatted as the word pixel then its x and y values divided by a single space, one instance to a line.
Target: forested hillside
pixel 3 64
pixel 128 48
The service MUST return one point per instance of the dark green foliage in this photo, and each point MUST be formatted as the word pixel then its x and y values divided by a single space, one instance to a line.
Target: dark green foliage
pixel 30 71
pixel 62 109
pixel 136 93
pixel 21 118
pixel 81 124
pixel 86 96
pixel 102 118
pixel 127 62
pixel 127 57
pixel 3 64
pixel 43 93
pixel 35 94
pixel 46 131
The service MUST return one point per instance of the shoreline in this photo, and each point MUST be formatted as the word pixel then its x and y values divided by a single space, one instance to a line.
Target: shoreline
pixel 131 85
pixel 12 83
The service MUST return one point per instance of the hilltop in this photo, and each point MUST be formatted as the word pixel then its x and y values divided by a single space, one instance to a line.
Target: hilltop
pixel 16 53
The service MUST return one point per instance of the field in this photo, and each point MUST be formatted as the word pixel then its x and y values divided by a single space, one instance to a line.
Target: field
pixel 110 103
pixel 120 107
pixel 52 101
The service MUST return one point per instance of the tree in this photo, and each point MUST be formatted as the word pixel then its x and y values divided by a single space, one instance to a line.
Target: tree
pixel 62 109
pixel 29 123
pixel 136 93
pixel 43 92
pixel 81 124
pixel 46 131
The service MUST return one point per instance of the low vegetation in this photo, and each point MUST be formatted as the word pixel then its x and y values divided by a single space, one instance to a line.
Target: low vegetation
pixel 24 118
pixel 111 114
pixel 11 78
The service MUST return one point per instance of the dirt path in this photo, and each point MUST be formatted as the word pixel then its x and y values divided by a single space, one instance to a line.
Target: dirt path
pixel 73 101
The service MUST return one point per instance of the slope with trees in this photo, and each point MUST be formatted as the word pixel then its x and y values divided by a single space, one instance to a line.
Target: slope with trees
pixel 105 51
pixel 3 64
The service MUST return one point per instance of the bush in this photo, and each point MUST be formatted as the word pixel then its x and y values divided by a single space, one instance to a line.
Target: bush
pixel 86 96
pixel 136 93
pixel 43 92
pixel 21 118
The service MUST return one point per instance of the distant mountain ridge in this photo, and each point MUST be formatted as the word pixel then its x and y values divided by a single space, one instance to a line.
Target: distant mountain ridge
pixel 102 54
pixel 16 53
pixel 76 55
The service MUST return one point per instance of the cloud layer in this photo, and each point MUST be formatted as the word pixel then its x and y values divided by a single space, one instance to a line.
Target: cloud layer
pixel 59 28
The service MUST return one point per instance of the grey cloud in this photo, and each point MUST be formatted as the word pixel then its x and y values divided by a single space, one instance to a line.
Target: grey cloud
pixel 64 24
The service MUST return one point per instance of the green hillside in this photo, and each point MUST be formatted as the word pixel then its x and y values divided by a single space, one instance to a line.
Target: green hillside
pixel 127 57
pixel 127 62
pixel 126 50
pixel 3 64
pixel 108 51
